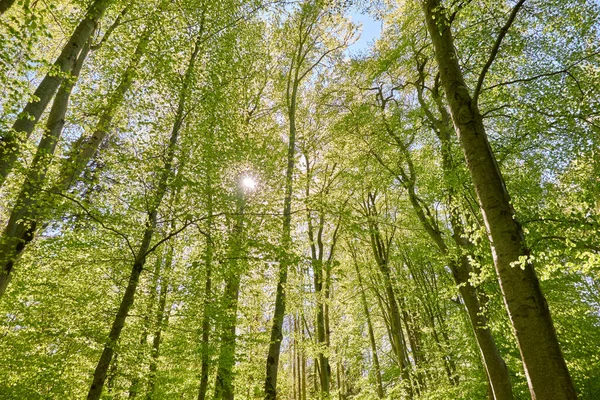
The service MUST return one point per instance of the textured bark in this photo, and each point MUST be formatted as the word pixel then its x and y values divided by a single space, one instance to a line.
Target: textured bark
pixel 496 370
pixel 545 367
pixel 11 141
pixel 5 5
pixel 25 215
pixel 85 148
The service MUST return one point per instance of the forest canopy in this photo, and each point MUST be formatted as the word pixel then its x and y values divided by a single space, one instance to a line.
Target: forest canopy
pixel 271 199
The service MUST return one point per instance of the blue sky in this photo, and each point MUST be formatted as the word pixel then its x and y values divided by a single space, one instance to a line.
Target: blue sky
pixel 371 30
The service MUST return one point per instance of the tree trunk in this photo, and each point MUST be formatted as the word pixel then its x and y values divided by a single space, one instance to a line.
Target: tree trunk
pixel 24 216
pixel 10 143
pixel 381 253
pixel 206 315
pixel 84 149
pixel 544 364
pixel 286 241
pixel 316 247
pixel 160 322
pixel 224 381
pixel 140 258
pixel 495 367
pixel 363 298
pixel 135 382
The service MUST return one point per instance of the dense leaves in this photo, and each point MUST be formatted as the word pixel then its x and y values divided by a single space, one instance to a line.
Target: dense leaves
pixel 240 204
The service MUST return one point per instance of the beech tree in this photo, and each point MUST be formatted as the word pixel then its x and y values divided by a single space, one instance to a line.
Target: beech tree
pixel 221 200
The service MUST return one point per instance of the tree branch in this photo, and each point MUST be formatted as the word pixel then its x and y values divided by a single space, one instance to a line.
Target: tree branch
pixel 496 48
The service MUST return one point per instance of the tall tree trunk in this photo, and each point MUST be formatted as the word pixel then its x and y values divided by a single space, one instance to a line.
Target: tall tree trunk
pixel 24 216
pixel 224 381
pixel 286 242
pixel 161 319
pixel 140 257
pixel 381 253
pixel 363 298
pixel 495 367
pixel 207 309
pixel 316 249
pixel 84 149
pixel 545 367
pixel 10 143
pixel 135 382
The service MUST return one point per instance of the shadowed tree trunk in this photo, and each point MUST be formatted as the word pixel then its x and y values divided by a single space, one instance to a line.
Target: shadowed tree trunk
pixel 544 364
pixel 160 322
pixel 24 216
pixel 224 381
pixel 363 298
pixel 140 256
pixel 10 143
pixel 135 382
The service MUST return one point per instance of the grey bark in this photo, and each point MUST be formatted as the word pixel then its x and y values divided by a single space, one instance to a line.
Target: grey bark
pixel 547 373
pixel 11 141
pixel 24 216
pixel 496 370
pixel 84 149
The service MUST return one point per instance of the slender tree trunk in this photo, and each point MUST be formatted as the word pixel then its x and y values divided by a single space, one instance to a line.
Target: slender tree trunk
pixel 5 5
pixel 224 381
pixel 161 319
pixel 547 373
pixel 24 216
pixel 140 258
pixel 295 363
pixel 363 298
pixel 316 246
pixel 286 241
pixel 496 369
pixel 126 303
pixel 84 149
pixel 206 314
pixel 10 143
pixel 135 382
pixel 381 253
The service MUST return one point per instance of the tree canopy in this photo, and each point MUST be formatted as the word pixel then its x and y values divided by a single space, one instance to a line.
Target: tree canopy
pixel 231 199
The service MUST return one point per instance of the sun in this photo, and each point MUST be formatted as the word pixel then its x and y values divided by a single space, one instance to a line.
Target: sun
pixel 248 182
